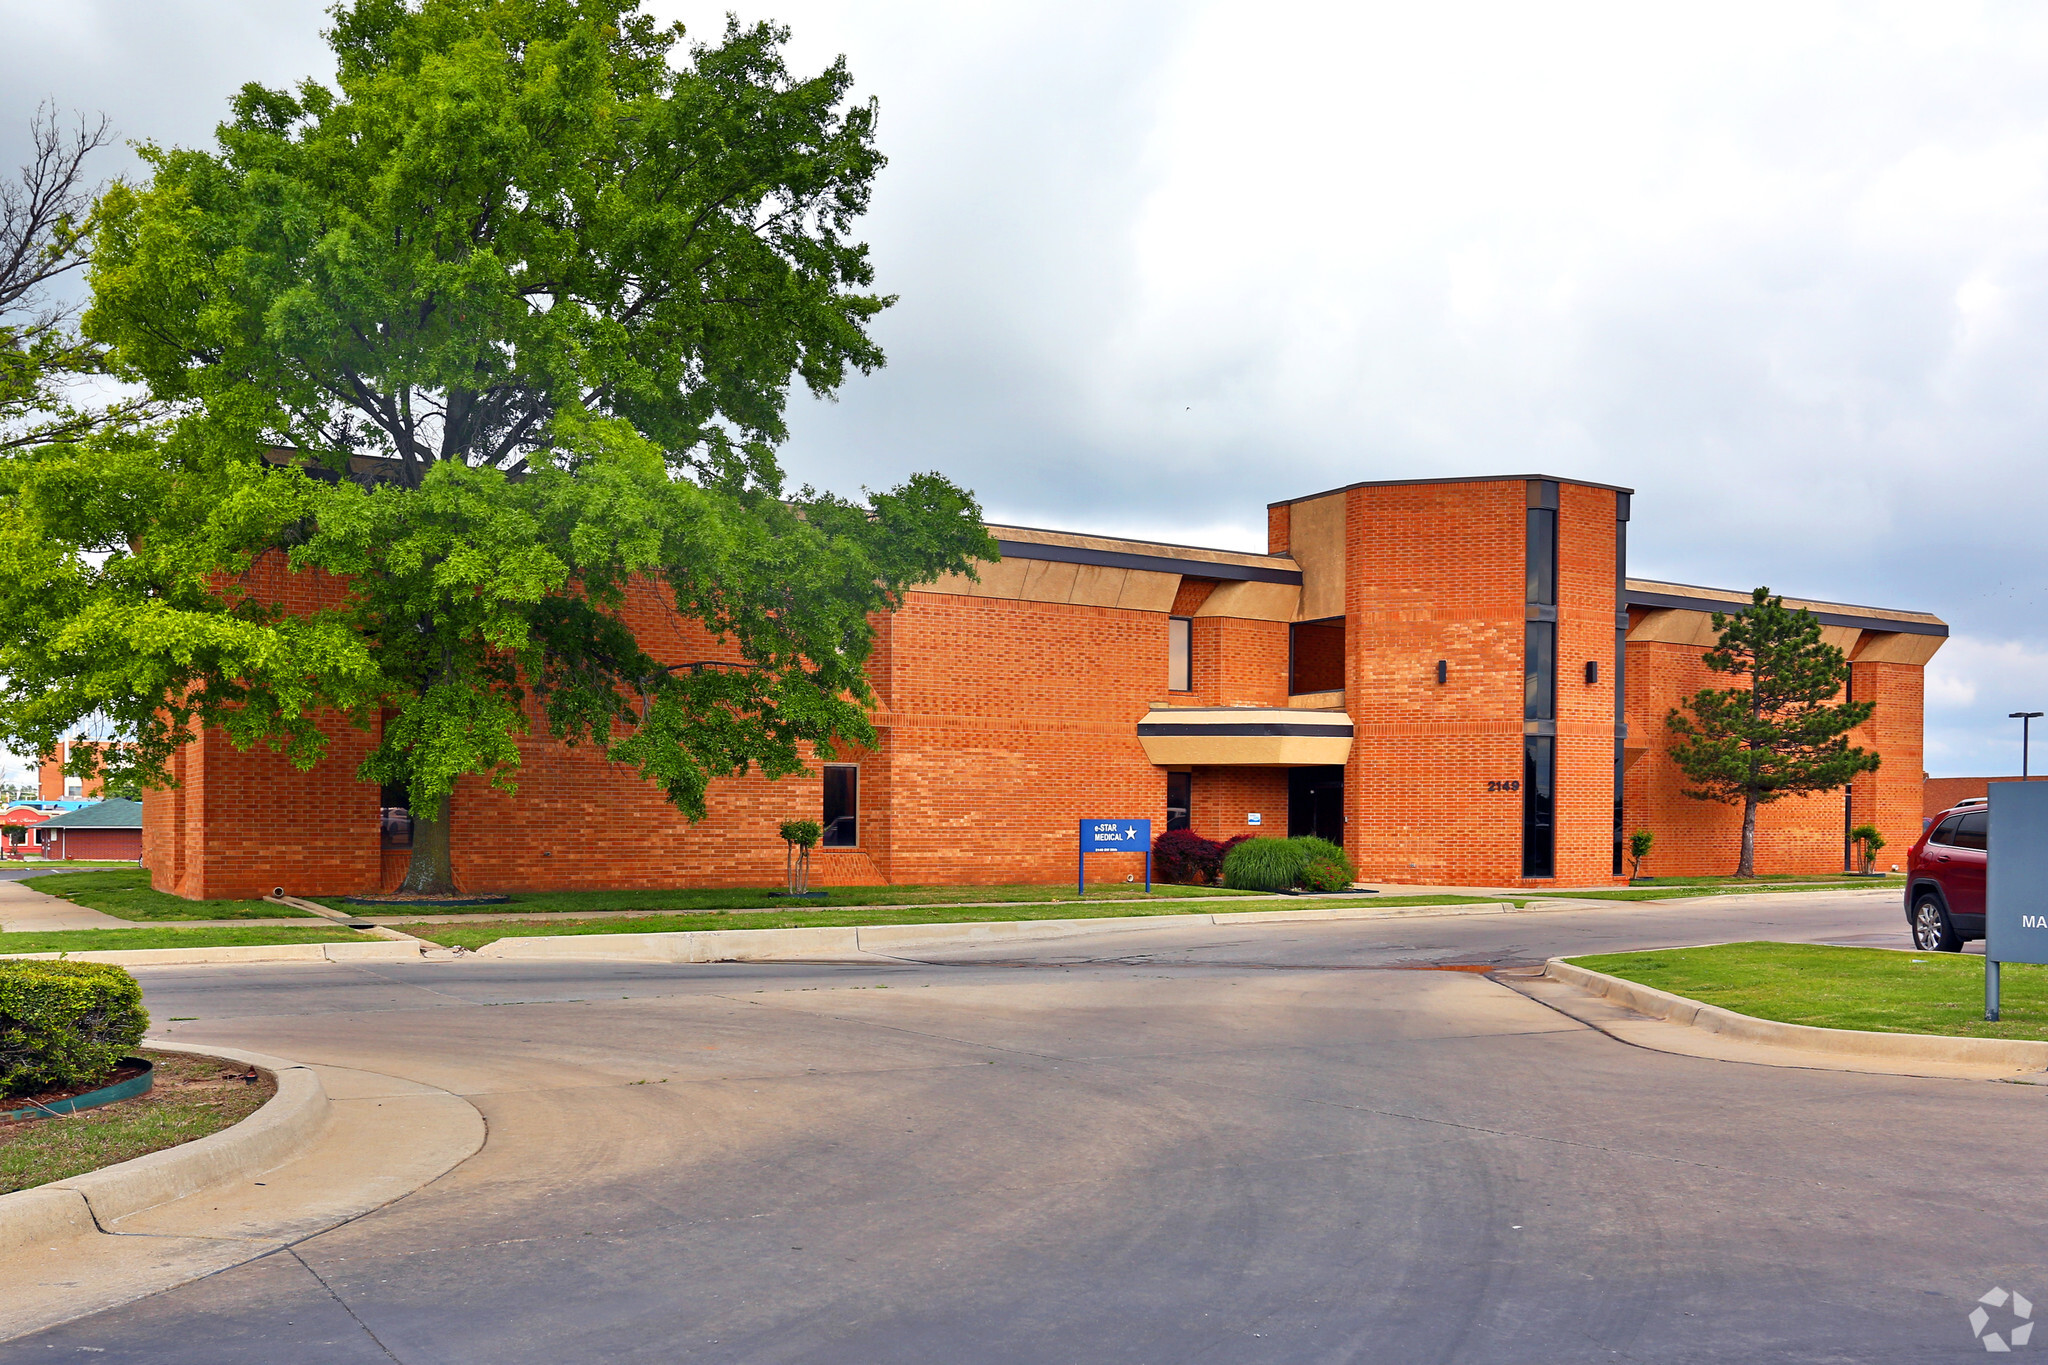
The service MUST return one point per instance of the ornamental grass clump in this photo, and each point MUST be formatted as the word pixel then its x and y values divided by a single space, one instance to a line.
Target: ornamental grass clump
pixel 65 1024
pixel 1264 865
pixel 1325 866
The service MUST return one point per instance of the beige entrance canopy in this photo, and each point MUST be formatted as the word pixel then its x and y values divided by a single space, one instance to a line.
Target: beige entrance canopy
pixel 1244 736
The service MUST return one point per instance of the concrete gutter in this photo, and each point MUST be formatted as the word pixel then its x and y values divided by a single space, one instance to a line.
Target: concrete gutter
pixel 2017 1053
pixel 286 1124
pixel 368 950
pixel 854 942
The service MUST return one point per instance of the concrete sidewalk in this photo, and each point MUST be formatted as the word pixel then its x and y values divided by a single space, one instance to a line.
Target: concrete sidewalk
pixel 25 911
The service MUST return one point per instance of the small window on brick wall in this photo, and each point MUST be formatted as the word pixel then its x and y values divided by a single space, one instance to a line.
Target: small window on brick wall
pixel 1180 654
pixel 1180 799
pixel 394 816
pixel 842 806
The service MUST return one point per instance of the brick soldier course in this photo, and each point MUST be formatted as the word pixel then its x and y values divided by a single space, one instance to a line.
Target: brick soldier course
pixel 1399 671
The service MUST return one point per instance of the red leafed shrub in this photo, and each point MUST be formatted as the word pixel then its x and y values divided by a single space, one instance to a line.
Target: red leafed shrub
pixel 1181 855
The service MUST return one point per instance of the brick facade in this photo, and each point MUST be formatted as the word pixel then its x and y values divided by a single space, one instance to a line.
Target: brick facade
pixel 1007 709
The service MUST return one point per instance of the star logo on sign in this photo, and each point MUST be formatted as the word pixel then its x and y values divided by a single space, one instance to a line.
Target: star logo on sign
pixel 1130 831
pixel 2021 1308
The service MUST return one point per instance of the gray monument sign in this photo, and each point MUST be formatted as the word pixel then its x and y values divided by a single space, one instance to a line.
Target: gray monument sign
pixel 2015 882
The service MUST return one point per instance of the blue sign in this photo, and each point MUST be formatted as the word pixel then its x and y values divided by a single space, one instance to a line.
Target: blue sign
pixel 1116 836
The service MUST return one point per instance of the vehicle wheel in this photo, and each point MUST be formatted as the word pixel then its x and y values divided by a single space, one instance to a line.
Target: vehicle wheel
pixel 1931 930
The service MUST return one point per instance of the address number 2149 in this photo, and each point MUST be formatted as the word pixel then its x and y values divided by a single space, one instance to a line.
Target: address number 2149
pixel 1510 786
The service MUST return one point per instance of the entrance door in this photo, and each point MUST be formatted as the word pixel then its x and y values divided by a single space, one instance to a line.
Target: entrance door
pixel 1315 803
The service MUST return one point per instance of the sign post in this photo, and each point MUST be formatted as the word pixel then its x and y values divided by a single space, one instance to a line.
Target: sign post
pixel 2015 882
pixel 1118 836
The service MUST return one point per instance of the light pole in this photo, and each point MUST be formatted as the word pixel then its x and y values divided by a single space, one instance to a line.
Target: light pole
pixel 2026 719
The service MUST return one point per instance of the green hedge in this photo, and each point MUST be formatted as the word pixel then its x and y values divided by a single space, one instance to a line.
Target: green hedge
pixel 1270 864
pixel 65 1023
pixel 1326 867
pixel 1264 864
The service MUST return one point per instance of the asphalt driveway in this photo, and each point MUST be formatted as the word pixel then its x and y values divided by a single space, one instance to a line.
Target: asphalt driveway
pixel 1300 1143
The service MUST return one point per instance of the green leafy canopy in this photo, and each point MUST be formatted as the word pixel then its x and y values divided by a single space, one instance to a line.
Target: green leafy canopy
pixel 456 354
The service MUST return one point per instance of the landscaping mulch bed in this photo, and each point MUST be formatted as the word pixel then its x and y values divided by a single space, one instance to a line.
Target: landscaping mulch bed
pixel 419 902
pixel 126 1071
pixel 192 1098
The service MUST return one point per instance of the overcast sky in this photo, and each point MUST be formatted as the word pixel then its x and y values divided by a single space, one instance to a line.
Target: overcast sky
pixel 1780 268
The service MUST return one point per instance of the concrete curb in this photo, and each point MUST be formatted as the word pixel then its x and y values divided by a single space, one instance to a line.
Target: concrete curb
pixel 286 1124
pixel 2018 1053
pixel 853 942
pixel 368 950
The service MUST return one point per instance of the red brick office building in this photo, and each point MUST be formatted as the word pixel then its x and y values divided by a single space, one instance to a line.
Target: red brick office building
pixel 1456 678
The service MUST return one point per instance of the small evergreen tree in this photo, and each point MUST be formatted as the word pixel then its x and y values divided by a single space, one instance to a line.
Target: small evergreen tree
pixel 1779 731
pixel 1638 849
pixel 1868 840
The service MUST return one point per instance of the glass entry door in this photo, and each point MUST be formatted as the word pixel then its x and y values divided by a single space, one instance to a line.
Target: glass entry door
pixel 1315 803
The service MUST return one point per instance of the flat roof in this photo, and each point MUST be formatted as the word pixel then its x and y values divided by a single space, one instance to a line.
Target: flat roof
pixel 1469 478
pixel 1156 556
pixel 1648 592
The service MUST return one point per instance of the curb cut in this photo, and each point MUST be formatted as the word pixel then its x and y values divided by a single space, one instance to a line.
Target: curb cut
pixel 2019 1053
pixel 287 1123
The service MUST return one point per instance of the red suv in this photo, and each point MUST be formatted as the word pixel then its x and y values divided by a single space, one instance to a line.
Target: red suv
pixel 1945 878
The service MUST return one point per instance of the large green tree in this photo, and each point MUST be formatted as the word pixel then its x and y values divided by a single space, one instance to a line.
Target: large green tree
pixel 499 328
pixel 1778 731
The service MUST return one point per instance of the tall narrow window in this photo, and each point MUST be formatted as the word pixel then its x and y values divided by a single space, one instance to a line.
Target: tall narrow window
pixel 1180 669
pixel 1180 799
pixel 1539 686
pixel 1539 807
pixel 394 815
pixel 842 805
pixel 1539 680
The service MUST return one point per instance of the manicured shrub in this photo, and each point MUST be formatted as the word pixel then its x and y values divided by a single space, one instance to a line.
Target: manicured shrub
pixel 1181 855
pixel 1325 866
pixel 1263 865
pixel 65 1023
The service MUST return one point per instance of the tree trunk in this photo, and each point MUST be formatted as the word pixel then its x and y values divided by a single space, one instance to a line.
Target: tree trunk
pixel 432 870
pixel 1747 867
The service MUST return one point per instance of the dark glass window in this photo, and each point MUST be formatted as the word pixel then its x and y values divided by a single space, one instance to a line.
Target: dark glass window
pixel 394 816
pixel 1543 556
pixel 1539 690
pixel 1539 830
pixel 1180 799
pixel 1315 656
pixel 1945 832
pixel 1180 654
pixel 1974 830
pixel 842 806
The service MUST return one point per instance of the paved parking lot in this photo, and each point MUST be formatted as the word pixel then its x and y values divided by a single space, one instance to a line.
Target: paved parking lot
pixel 1271 1144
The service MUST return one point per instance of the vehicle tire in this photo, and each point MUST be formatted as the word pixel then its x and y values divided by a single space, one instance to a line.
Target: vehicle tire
pixel 1932 933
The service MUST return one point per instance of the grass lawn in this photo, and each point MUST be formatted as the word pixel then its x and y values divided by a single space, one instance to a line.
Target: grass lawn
pixel 1853 988
pixel 126 894
pixel 130 940
pixel 458 935
pixel 704 901
pixel 192 1097
pixel 1677 889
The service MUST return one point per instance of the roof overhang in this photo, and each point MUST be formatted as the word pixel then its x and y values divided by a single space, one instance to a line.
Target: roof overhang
pixel 1245 736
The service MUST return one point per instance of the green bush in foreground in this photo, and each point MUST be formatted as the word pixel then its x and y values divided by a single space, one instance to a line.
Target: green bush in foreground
pixel 1264 865
pixel 65 1023
pixel 1325 866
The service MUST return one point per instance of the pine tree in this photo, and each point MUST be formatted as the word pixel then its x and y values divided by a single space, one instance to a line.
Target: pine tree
pixel 1779 731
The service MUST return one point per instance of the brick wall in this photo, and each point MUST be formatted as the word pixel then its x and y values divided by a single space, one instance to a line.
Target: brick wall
pixel 1796 835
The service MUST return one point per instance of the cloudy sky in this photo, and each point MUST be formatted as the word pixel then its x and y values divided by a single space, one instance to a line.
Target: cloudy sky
pixel 1781 268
